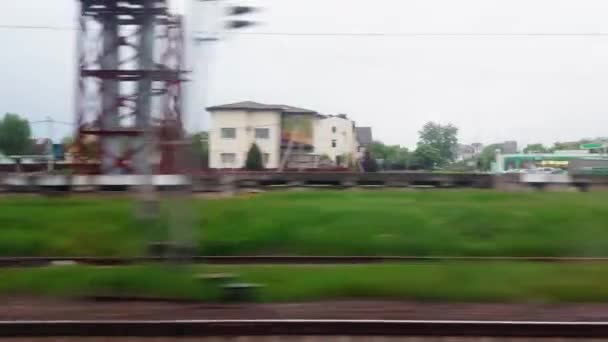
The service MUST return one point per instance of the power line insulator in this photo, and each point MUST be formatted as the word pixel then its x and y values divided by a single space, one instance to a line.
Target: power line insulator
pixel 240 10
pixel 237 24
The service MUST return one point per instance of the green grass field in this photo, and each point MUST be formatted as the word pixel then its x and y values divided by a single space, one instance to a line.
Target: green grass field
pixel 471 223
pixel 450 282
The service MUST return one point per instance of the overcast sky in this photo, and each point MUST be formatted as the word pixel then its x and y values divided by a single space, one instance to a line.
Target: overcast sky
pixel 530 89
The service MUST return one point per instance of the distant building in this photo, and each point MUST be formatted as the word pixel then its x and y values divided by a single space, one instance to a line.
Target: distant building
pixel 464 152
pixel 509 147
pixel 335 137
pixel 467 152
pixel 289 137
pixel 477 147
pixel 364 139
pixel 558 159
pixel 40 147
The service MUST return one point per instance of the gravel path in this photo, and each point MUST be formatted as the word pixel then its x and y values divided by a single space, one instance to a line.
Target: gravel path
pixel 45 309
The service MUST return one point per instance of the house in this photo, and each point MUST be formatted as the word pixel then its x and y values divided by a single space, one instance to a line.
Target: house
pixel 477 148
pixel 289 137
pixel 364 140
pixel 464 152
pixel 41 147
pixel 509 147
pixel 335 139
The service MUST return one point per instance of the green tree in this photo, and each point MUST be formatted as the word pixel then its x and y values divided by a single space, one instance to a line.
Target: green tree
pixel 15 134
pixel 67 141
pixel 394 156
pixel 377 149
pixel 462 166
pixel 536 148
pixel 574 145
pixel 427 156
pixel 254 158
pixel 487 156
pixel 200 148
pixel 369 163
pixel 444 138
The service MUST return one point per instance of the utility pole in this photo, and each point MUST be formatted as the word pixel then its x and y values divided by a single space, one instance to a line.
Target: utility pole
pixel 180 219
pixel 51 156
pixel 143 161
pixel 50 131
pixel 129 92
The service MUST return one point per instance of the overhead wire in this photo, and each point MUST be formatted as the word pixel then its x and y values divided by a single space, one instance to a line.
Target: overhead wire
pixel 54 121
pixel 215 130
pixel 419 34
pixel 351 34
pixel 36 27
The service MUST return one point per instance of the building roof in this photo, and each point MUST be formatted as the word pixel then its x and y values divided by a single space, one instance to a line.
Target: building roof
pixel 552 156
pixel 291 109
pixel 251 105
pixel 461 149
pixel 243 105
pixel 364 135
pixel 40 146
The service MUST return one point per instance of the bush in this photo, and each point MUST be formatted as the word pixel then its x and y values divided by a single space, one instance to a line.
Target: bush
pixel 254 159
pixel 200 149
pixel 369 163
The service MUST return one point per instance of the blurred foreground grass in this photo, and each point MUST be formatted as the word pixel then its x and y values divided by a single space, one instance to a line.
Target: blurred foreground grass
pixel 459 222
pixel 453 282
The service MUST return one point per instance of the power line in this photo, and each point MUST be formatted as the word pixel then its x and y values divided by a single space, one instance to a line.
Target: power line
pixel 36 27
pixel 214 130
pixel 53 121
pixel 420 34
pixel 353 34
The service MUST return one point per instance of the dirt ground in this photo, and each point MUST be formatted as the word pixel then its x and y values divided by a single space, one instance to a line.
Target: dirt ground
pixel 296 339
pixel 45 309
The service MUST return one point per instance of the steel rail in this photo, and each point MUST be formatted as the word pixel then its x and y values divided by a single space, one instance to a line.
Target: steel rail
pixel 281 259
pixel 302 327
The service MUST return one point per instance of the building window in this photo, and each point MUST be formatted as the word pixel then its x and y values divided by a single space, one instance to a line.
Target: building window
pixel 262 133
pixel 333 143
pixel 266 158
pixel 228 133
pixel 333 129
pixel 228 158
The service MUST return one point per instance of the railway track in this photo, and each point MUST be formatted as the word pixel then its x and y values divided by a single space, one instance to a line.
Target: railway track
pixel 208 328
pixel 264 259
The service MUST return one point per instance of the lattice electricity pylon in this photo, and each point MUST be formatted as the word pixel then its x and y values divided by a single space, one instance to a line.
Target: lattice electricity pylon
pixel 128 109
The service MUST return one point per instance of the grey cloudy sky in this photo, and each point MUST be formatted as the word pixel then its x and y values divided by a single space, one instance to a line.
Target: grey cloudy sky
pixel 531 89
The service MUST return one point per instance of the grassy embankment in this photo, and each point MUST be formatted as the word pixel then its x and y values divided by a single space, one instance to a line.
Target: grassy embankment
pixel 473 223
pixel 452 282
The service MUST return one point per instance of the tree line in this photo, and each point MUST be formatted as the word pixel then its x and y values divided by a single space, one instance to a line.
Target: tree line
pixel 15 135
pixel 16 139
pixel 436 148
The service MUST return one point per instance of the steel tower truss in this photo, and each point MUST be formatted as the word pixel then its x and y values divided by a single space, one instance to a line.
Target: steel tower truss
pixel 129 89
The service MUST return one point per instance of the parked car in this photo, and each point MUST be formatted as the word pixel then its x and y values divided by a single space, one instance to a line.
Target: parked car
pixel 514 171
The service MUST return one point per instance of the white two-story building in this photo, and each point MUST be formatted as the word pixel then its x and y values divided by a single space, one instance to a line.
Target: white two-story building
pixel 289 137
pixel 335 137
